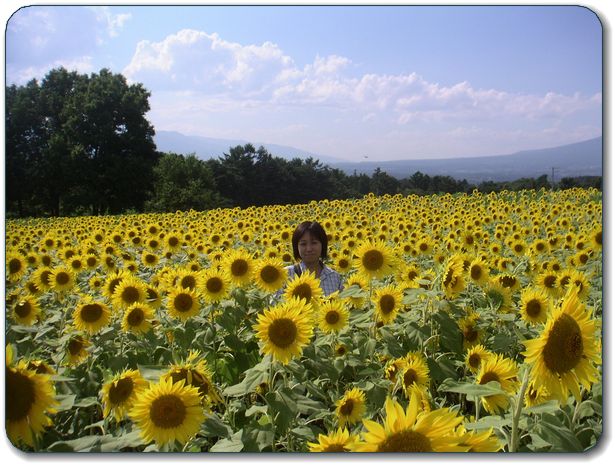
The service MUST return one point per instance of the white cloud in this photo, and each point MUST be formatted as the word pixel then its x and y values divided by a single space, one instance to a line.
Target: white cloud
pixel 21 76
pixel 112 22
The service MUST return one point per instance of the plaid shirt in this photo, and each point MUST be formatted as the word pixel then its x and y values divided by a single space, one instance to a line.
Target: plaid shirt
pixel 330 280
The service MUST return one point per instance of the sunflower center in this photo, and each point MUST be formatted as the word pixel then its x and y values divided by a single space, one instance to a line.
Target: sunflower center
pixel 303 291
pixel 45 277
pixel 373 260
pixel 549 281
pixel 167 411
pixel 75 346
pixel 410 376
pixel 343 263
pixel 347 407
pixel 183 302
pixel 173 241
pixel 448 281
pixel 214 285
pixel 412 274
pixel 15 266
pixel 20 391
pixel 332 317
pixel 564 347
pixel 282 332
pixel 90 261
pixel 387 304
pixel 151 294
pixel 150 258
pixel 91 312
pixel 239 267
pixel 135 317
pixel 62 278
pixel 508 281
pixel 476 272
pixel 130 295
pixel 423 247
pixel 121 390
pixel 23 309
pixel 533 308
pixel 188 282
pixel 334 448
pixel 406 441
pixel 489 376
pixel 474 360
pixel 470 334
pixel 270 274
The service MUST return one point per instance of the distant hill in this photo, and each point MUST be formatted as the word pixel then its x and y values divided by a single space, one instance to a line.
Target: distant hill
pixel 207 147
pixel 579 159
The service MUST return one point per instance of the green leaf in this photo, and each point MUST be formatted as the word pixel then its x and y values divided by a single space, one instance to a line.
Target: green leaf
pixel 451 339
pixel 554 432
pixel 254 376
pixel 152 372
pixel 489 422
pixel 256 409
pixel 489 389
pixel 213 426
pixel 66 402
pixel 86 402
pixel 232 444
pixel 550 406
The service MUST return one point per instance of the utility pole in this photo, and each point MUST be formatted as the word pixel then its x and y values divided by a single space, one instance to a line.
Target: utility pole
pixel 553 168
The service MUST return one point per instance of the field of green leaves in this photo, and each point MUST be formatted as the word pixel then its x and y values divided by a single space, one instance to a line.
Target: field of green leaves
pixel 467 323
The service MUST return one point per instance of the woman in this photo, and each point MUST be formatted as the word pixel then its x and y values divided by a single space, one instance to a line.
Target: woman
pixel 310 247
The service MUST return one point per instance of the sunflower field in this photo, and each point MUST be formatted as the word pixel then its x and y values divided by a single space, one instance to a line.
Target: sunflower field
pixel 467 323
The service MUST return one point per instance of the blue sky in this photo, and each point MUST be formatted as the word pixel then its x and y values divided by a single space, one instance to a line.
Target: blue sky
pixel 388 82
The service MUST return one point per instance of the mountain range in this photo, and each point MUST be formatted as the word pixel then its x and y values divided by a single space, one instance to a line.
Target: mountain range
pixel 579 159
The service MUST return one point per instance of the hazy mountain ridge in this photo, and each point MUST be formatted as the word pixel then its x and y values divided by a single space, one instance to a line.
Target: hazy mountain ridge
pixel 578 159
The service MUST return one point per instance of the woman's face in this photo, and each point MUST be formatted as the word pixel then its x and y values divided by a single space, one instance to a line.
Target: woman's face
pixel 310 248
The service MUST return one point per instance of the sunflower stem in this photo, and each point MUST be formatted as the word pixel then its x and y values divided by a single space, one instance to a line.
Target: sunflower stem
pixel 514 436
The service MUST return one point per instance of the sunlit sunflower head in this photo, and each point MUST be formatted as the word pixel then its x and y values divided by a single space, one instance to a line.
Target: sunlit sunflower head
pixel 357 300
pixel 30 399
pixel 478 271
pixel 332 316
pixel 534 306
pixel 119 394
pixel 547 281
pixel 187 279
pixel 415 372
pixel 476 355
pixel 76 350
pixel 471 332
pixel 305 287
pixel 595 238
pixel 41 277
pixel 183 303
pixel 269 274
pixel 153 296
pixel 16 266
pixel 130 290
pixel 535 395
pixel 508 281
pixel 91 316
pixel 62 279
pixel 567 351
pixel 578 284
pixel 498 297
pixel 351 407
pixel 412 430
pixel 453 281
pixel 518 247
pixel 195 372
pixel 112 281
pixel 387 301
pixel 215 285
pixel 504 371
pixel 285 329
pixel 374 259
pixel 149 258
pixel 480 441
pixel 167 412
pixel 26 310
pixel 137 318
pixel 239 266
pixel 336 441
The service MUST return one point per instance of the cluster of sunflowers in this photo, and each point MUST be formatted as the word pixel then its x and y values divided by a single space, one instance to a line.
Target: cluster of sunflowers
pixel 183 332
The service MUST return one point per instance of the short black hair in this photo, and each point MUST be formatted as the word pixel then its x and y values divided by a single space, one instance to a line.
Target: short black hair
pixel 316 230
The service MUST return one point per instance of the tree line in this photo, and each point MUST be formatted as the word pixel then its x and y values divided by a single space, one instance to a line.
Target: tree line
pixel 81 145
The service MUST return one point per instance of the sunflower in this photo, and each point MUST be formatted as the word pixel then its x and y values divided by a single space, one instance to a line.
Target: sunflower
pixel 183 303
pixel 239 265
pixel 120 393
pixel 129 291
pixel 475 355
pixel 90 261
pixel 470 331
pixel 478 271
pixel 534 306
pixel 284 329
pixel 566 352
pixel 407 275
pixel 535 395
pixel 357 300
pixel 215 285
pixel 498 297
pixel 91 316
pixel 269 274
pixel 61 279
pixel 452 277
pixel 483 441
pixel 16 266
pixel 76 350
pixel 548 282
pixel 138 318
pixel 41 277
pixel 337 441
pixel 305 287
pixel 26 310
pixel 167 412
pixel 112 282
pixel 387 301
pixel 187 279
pixel 579 284
pixel 415 372
pixel 508 281
pixel 412 430
pixel 374 259
pixel 30 398
pixel 195 372
pixel 351 407
pixel 504 371
pixel 333 316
